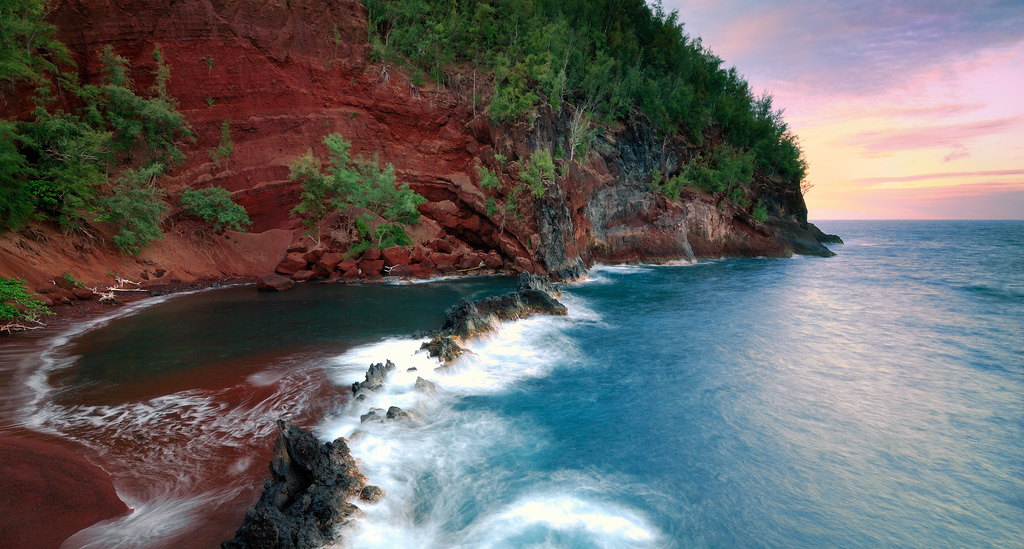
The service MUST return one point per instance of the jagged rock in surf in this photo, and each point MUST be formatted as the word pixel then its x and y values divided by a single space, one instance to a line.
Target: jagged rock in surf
pixel 395 412
pixel 823 237
pixel 376 415
pixel 375 377
pixel 371 494
pixel 443 348
pixel 467 318
pixel 304 503
pixel 425 386
pixel 528 281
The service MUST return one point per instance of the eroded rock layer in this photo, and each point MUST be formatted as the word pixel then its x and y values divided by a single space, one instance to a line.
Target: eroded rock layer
pixel 287 74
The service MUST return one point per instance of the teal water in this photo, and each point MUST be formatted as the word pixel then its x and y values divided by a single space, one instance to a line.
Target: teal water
pixel 870 399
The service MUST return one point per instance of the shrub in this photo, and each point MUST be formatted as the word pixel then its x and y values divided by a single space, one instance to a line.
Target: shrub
pixel 226 146
pixel 136 206
pixel 214 205
pixel 538 169
pixel 317 190
pixel 760 212
pixel 488 179
pixel 16 304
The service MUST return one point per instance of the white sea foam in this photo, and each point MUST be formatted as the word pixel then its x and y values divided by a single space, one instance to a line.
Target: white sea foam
pixel 600 524
pixel 447 472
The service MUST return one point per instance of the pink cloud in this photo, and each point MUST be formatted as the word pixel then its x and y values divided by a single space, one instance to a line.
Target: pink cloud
pixel 881 143
pixel 959 151
pixel 942 175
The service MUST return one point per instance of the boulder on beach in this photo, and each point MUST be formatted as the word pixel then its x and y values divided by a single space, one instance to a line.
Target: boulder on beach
pixel 274 283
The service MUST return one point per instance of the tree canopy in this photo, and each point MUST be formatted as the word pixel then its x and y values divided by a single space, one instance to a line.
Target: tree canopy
pixel 606 57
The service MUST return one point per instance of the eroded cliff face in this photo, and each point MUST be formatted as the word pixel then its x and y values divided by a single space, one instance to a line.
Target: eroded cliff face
pixel 286 73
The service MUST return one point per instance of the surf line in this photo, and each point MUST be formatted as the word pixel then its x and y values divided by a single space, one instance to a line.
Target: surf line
pixel 306 499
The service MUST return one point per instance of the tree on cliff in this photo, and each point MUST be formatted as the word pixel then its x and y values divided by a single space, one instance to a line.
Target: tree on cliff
pixel 29 49
pixel 56 164
pixel 606 58
pixel 349 185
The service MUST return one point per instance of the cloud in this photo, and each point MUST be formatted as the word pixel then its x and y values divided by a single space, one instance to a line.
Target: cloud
pixel 931 176
pixel 838 46
pixel 959 151
pixel 886 142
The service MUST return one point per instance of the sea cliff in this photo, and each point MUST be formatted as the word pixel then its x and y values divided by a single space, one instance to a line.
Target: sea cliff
pixel 286 75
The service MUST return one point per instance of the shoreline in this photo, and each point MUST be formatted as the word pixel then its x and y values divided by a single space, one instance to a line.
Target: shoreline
pixel 53 492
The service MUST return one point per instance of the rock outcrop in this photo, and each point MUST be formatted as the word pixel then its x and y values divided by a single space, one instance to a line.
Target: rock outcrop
pixel 466 319
pixel 288 74
pixel 305 498
pixel 375 377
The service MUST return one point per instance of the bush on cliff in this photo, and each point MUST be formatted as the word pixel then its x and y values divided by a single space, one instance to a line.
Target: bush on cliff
pixel 136 206
pixel 29 49
pixel 17 305
pixel 347 186
pixel 596 61
pixel 55 163
pixel 214 206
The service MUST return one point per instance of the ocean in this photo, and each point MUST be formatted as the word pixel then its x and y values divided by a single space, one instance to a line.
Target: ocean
pixel 872 399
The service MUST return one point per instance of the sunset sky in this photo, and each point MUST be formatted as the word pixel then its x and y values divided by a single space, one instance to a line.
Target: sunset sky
pixel 905 109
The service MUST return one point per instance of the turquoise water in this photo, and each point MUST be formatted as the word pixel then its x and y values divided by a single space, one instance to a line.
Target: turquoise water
pixel 870 399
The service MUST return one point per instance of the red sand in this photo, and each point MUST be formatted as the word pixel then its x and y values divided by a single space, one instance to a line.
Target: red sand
pixel 48 492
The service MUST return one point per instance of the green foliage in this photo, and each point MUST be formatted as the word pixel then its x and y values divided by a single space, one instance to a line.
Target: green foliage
pixel 29 49
pixel 537 170
pixel 210 101
pixel 488 180
pixel 383 237
pixel 760 212
pixel 17 304
pixel 501 159
pixel 151 125
pixel 492 208
pixel 214 205
pixel 378 192
pixel 71 280
pixel 607 57
pixel 317 190
pixel 351 185
pixel 226 146
pixel 136 206
pixel 70 163
pixel 389 235
pixel 54 165
pixel 16 200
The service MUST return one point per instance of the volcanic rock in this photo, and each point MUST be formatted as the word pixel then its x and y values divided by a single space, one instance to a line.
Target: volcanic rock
pixel 274 283
pixel 304 500
pixel 376 415
pixel 375 377
pixel 425 386
pixel 371 494
pixel 291 264
pixel 395 412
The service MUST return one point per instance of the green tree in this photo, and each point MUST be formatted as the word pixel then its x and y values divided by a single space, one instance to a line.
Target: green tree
pixel 348 185
pixel 214 205
pixel 136 206
pixel 18 305
pixel 29 49
pixel 226 146
pixel 16 201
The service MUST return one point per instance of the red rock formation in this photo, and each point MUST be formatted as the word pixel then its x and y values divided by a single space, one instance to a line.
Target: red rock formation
pixel 287 74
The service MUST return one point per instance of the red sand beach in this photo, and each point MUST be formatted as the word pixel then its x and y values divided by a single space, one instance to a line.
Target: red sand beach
pixel 49 492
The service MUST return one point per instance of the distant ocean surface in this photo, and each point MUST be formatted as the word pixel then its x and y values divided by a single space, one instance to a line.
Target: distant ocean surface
pixel 872 399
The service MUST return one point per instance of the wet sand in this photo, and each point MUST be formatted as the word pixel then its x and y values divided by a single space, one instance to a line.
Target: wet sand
pixel 49 492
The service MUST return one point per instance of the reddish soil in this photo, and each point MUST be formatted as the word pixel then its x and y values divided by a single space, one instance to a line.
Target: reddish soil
pixel 49 493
